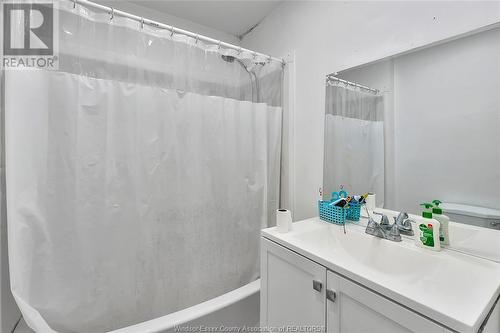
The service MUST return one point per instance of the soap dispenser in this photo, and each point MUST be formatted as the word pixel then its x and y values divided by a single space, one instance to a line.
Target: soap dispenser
pixel 437 213
pixel 427 233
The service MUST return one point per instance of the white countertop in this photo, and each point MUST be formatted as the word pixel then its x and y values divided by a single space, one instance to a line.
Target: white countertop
pixel 454 289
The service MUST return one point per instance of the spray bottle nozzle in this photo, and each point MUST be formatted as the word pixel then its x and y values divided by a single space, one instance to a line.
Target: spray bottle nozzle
pixel 436 209
pixel 426 205
pixel 427 214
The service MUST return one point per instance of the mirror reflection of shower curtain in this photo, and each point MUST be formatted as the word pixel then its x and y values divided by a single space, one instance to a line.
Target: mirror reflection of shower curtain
pixel 138 175
pixel 354 141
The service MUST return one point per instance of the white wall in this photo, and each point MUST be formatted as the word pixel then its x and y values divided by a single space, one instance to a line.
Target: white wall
pixel 332 36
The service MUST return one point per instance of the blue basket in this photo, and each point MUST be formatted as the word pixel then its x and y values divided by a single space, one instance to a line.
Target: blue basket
pixel 332 214
pixel 354 211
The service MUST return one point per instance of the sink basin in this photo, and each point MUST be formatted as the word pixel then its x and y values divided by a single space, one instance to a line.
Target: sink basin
pixel 370 252
pixel 399 262
pixel 451 287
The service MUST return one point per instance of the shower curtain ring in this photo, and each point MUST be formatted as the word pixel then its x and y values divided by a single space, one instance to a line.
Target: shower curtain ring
pixel 142 22
pixel 254 55
pixel 239 50
pixel 112 14
pixel 218 45
pixel 171 31
pixel 197 37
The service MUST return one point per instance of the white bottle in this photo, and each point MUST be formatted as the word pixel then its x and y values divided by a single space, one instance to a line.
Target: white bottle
pixel 427 232
pixel 444 234
pixel 370 202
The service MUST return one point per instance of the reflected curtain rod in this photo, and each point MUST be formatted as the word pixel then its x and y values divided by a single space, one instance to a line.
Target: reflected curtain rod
pixel 173 30
pixel 334 78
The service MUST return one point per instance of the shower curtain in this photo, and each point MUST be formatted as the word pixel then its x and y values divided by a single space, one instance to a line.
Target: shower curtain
pixel 354 141
pixel 138 175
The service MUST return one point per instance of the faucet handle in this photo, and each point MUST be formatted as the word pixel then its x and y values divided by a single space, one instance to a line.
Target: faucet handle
pixel 384 221
pixel 372 223
pixel 400 220
pixel 373 228
pixel 403 221
pixel 404 224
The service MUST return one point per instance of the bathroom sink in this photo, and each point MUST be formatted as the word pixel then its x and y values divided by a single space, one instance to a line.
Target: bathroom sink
pixel 451 286
pixel 368 251
pixel 379 258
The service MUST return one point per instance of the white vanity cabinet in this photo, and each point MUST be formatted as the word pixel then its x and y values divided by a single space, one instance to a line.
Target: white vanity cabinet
pixel 292 289
pixel 355 309
pixel 300 293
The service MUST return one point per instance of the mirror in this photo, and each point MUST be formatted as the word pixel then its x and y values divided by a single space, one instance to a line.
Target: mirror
pixel 420 126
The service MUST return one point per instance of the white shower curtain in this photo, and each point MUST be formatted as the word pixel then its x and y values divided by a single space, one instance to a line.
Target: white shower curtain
pixel 354 141
pixel 138 175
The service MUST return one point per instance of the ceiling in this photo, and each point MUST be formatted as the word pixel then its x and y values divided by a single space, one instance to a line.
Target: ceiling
pixel 232 17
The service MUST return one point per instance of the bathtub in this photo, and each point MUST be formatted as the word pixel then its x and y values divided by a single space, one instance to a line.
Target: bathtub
pixel 236 308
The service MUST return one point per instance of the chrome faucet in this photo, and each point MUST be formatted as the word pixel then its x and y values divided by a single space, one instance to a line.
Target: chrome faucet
pixel 383 229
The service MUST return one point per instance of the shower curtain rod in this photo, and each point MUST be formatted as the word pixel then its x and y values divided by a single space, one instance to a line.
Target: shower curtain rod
pixel 115 12
pixel 334 78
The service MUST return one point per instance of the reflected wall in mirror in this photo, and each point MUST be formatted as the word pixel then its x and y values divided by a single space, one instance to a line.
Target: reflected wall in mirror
pixel 420 126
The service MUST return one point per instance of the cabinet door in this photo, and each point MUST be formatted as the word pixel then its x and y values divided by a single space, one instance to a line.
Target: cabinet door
pixel 292 289
pixel 352 308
